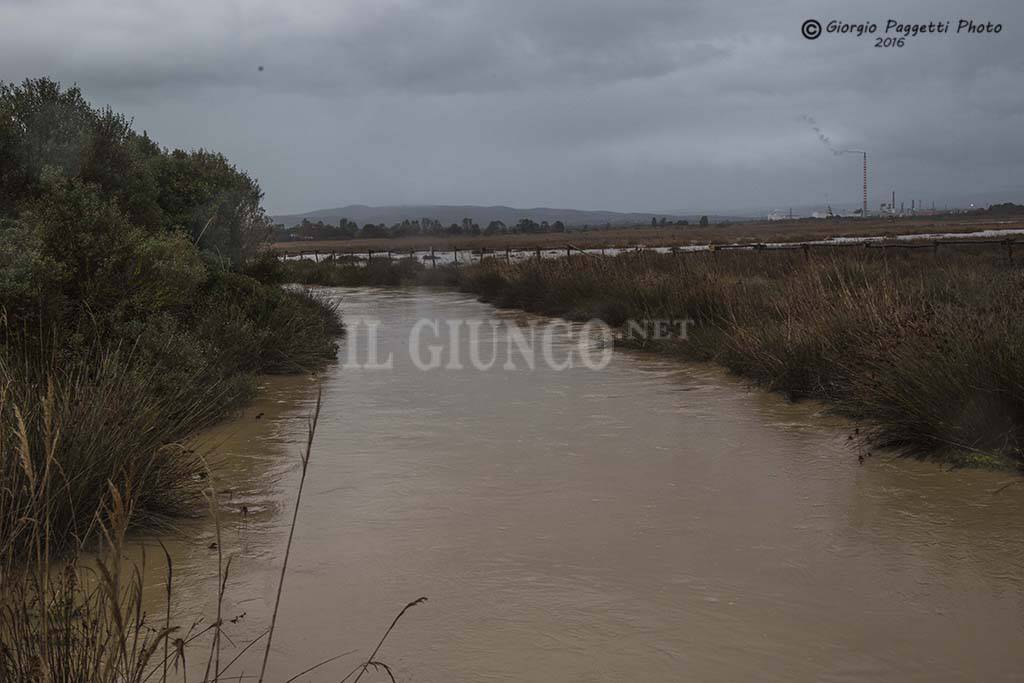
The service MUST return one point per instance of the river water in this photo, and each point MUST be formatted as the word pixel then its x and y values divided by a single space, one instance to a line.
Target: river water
pixel 651 521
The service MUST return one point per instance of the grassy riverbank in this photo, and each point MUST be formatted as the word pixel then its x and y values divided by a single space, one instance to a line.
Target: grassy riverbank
pixel 128 322
pixel 924 348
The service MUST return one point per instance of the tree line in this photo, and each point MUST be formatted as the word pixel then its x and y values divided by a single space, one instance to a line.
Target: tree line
pixel 347 229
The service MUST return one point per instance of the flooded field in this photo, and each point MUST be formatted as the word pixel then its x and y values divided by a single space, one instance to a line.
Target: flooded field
pixel 651 521
pixel 559 245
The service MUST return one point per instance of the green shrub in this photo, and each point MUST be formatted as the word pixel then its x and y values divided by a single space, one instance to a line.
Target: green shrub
pixel 127 323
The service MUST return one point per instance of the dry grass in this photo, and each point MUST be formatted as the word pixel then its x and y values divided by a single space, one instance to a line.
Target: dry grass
pixel 72 428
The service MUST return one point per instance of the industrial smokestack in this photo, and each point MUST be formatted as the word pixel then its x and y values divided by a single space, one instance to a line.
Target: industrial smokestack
pixel 864 210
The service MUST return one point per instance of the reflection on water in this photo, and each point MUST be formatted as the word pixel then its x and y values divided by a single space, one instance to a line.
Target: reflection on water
pixel 652 521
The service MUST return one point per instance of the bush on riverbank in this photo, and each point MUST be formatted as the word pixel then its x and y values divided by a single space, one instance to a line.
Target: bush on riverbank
pixel 379 272
pixel 926 348
pixel 127 320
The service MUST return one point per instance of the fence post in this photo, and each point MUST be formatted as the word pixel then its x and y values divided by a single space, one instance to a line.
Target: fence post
pixel 508 255
pixel 538 253
pixel 455 251
pixel 568 252
pixel 369 255
pixel 433 259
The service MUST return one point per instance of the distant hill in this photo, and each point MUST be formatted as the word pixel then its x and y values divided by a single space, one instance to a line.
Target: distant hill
pixel 482 215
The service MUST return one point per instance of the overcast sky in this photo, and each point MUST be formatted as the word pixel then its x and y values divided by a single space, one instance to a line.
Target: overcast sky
pixel 646 105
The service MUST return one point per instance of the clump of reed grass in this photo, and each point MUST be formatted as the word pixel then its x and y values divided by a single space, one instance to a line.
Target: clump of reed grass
pixel 926 348
pixel 67 619
pixel 72 428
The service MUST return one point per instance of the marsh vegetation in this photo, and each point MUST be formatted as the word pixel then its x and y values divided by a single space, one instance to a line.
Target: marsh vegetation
pixel 924 348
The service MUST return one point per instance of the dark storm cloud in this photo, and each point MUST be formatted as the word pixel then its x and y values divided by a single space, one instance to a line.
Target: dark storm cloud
pixel 624 104
pixel 440 47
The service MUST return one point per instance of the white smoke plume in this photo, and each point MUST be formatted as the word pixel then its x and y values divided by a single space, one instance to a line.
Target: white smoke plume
pixel 821 136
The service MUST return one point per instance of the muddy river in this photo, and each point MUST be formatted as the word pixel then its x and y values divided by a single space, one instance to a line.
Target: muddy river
pixel 649 521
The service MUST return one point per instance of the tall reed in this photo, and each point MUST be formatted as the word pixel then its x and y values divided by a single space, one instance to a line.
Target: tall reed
pixel 69 617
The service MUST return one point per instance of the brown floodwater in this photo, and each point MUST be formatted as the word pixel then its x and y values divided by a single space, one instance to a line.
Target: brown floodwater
pixel 652 521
